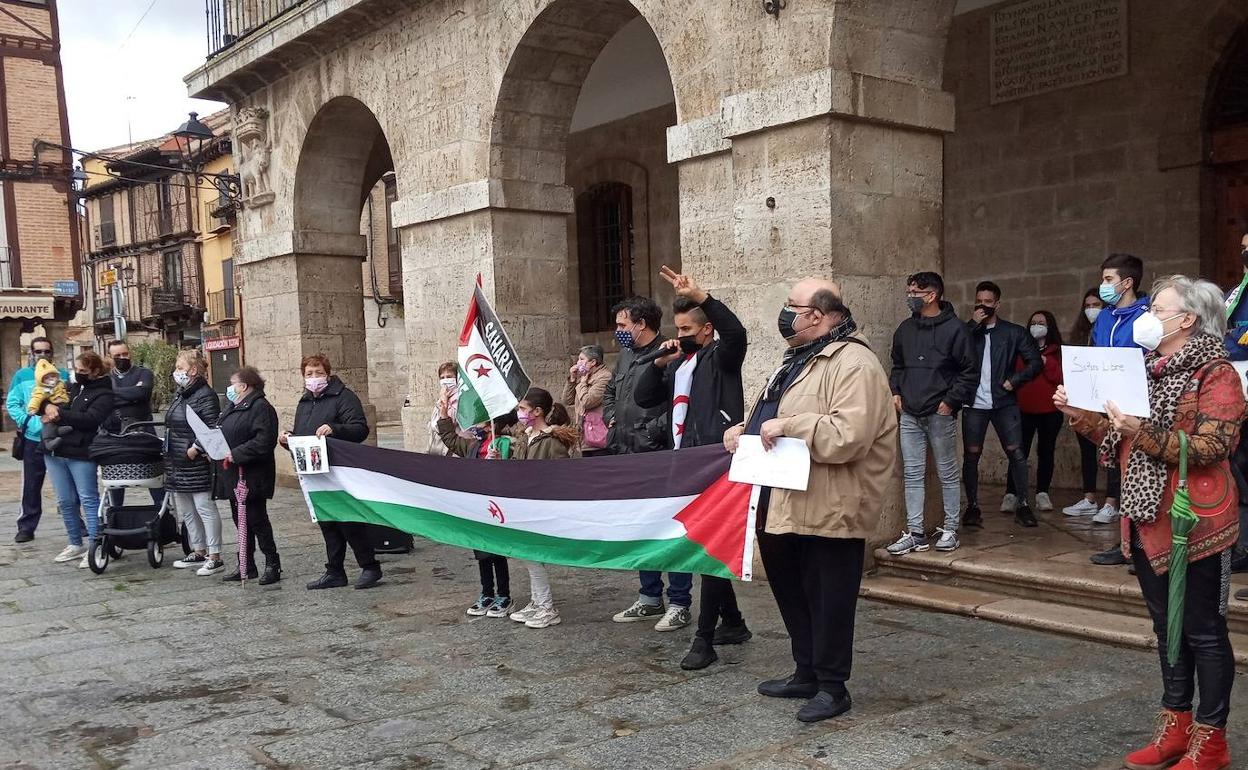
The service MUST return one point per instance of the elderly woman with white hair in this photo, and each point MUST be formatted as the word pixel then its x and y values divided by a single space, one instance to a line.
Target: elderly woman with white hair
pixel 1192 389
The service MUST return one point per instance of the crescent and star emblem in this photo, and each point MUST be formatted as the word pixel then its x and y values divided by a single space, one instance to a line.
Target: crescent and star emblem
pixel 482 370
pixel 497 513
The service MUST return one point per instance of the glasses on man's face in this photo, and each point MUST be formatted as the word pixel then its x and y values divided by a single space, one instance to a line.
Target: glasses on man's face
pixel 796 308
pixel 43 352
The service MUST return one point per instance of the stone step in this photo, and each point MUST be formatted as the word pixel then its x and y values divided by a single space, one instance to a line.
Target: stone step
pixel 1077 584
pixel 1131 630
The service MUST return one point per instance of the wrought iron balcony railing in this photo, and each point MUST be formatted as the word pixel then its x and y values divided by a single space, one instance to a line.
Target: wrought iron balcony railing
pixel 232 20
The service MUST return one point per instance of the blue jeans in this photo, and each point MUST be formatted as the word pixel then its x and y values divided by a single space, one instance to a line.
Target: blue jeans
pixel 76 486
pixel 679 588
pixel 941 433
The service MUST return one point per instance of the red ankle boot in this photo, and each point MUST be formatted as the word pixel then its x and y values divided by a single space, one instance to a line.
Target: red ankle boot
pixel 1207 750
pixel 1168 745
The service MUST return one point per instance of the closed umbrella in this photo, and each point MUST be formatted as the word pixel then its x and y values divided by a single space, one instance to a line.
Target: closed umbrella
pixel 240 498
pixel 1182 522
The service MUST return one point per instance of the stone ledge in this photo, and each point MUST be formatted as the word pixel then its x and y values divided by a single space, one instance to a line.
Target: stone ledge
pixel 287 242
pixel 482 194
pixel 824 92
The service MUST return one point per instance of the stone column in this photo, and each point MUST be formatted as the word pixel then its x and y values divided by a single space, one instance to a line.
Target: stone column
pixel 806 178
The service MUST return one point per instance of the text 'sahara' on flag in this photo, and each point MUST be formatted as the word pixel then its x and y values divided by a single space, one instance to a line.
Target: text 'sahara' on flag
pixel 491 379
pixel 664 511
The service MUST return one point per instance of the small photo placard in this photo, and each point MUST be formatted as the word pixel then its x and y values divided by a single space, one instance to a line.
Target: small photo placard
pixel 310 453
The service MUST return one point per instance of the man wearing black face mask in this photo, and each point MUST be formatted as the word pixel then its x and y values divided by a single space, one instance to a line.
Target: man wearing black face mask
pixel 700 384
pixel 33 468
pixel 132 400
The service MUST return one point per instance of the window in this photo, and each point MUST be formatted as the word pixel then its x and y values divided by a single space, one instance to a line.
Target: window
pixel 604 226
pixel 106 233
pixel 164 204
pixel 172 270
pixel 393 253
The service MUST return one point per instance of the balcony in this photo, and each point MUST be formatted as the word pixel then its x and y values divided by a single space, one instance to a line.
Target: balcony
pixel 103 310
pixel 221 307
pixel 105 234
pixel 221 213
pixel 229 21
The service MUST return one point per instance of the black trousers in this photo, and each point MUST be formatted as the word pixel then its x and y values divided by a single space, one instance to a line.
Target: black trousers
pixel 815 581
pixel 716 600
pixel 33 473
pixel 338 534
pixel 1008 422
pixel 1090 466
pixel 259 532
pixel 495 576
pixel 1205 656
pixel 1046 427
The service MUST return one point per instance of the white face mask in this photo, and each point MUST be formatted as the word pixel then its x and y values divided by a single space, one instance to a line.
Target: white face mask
pixel 181 378
pixel 1039 331
pixel 1148 330
pixel 1092 313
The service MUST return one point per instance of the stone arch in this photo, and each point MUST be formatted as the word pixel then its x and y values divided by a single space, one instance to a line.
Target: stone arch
pixel 344 154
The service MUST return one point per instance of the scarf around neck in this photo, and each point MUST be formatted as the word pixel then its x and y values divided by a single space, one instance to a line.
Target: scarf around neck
pixel 1145 477
pixel 796 358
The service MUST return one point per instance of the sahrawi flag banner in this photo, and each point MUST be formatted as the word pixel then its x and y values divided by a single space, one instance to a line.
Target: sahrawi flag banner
pixel 665 511
pixel 491 379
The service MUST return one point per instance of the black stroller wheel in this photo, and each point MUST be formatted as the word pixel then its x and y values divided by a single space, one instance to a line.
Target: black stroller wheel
pixel 98 552
pixel 155 554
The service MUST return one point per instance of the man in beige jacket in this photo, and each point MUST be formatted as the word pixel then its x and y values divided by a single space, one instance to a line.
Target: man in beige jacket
pixel 831 392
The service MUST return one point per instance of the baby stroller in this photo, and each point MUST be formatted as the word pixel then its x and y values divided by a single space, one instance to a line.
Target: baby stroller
pixel 131 459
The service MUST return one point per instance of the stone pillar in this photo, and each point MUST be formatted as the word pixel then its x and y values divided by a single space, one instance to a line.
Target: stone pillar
pixel 805 179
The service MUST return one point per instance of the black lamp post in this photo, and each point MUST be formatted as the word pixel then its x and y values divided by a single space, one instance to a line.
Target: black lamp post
pixel 191 138
pixel 127 275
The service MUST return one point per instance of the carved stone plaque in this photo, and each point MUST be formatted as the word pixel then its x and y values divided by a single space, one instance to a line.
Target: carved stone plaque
pixel 1039 46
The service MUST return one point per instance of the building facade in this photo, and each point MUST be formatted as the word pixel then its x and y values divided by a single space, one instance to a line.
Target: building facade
pixel 565 149
pixel 40 261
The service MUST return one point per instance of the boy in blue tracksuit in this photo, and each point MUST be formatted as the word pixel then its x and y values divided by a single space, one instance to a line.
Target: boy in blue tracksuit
pixel 1121 275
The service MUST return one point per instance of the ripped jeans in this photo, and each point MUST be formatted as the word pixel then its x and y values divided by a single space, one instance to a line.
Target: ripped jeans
pixel 1008 422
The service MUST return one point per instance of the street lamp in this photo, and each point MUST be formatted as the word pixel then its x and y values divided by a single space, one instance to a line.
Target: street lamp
pixel 127 274
pixel 191 138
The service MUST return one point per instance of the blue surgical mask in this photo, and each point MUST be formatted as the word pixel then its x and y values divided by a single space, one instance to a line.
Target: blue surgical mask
pixel 1109 294
pixel 231 395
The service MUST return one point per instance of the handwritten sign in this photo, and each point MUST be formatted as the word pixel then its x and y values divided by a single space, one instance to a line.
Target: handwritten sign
pixel 1096 375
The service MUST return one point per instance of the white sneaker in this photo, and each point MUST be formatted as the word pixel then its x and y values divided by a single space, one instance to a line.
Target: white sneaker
pixel 1009 504
pixel 85 563
pixel 211 567
pixel 1043 503
pixel 1084 507
pixel 544 617
pixel 192 559
pixel 948 540
pixel 1107 515
pixel 676 617
pixel 526 614
pixel 70 553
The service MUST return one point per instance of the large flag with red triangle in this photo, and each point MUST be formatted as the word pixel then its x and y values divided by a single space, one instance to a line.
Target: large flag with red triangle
pixel 662 511
pixel 491 379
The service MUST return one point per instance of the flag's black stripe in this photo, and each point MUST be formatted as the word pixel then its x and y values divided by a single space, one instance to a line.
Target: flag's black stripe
pixel 623 477
pixel 491 329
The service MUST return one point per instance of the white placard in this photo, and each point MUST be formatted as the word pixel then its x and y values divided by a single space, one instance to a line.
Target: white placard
pixel 786 465
pixel 310 454
pixel 211 439
pixel 1095 375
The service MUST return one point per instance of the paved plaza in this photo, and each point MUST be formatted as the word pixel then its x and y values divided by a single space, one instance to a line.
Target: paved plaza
pixel 143 668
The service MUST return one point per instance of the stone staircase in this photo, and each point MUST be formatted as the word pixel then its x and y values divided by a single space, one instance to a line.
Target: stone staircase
pixel 1039 578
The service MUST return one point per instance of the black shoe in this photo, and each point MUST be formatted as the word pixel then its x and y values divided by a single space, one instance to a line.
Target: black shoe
pixel 23 536
pixel 235 577
pixel 368 578
pixel 972 517
pixel 1025 517
pixel 272 574
pixel 1110 557
pixel 824 705
pixel 328 580
pixel 737 634
pixel 788 688
pixel 700 656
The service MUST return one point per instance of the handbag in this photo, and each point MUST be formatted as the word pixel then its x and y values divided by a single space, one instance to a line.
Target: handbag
pixel 19 441
pixel 594 429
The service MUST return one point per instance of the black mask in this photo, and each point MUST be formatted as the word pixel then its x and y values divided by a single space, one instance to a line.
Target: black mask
pixel 989 312
pixel 1244 256
pixel 785 322
pixel 121 364
pixel 689 345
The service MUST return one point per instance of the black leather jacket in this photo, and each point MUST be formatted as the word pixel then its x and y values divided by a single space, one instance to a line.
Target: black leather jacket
pixel 1010 342
pixel 636 429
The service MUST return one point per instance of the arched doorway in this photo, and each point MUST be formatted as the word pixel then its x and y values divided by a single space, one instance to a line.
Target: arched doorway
pixel 1227 123
pixel 584 107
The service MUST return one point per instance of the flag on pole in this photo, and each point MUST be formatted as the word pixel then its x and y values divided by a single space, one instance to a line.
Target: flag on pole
pixel 662 511
pixel 491 379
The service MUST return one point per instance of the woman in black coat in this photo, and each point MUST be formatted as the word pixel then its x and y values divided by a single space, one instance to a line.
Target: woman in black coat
pixel 70 465
pixel 249 424
pixel 329 408
pixel 188 471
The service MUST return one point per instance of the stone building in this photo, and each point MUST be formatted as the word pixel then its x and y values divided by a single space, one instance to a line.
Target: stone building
pixel 565 149
pixel 39 248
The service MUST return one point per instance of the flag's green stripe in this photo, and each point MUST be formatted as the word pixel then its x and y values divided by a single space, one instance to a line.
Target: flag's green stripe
pixel 470 411
pixel 676 555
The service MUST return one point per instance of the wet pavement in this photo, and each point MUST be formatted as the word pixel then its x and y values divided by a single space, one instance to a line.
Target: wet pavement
pixel 142 668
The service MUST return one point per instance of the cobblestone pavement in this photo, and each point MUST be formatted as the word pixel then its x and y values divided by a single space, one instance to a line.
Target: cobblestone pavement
pixel 152 668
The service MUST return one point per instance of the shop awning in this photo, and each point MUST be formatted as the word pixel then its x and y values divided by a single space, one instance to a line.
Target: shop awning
pixel 27 306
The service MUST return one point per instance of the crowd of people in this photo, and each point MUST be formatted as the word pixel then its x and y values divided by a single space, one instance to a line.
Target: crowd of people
pixel 831 391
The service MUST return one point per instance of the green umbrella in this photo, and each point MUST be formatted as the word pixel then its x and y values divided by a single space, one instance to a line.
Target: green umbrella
pixel 1182 522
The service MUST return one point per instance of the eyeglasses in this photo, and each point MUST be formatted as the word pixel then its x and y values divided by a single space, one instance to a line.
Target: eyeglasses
pixel 791 306
pixel 42 352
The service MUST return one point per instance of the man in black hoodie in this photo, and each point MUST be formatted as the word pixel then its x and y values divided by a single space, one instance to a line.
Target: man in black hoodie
pixel 998 344
pixel 934 375
pixel 699 383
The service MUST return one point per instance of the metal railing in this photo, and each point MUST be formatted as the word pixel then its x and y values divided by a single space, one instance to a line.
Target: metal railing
pixel 220 215
pixel 232 20
pixel 103 309
pixel 221 306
